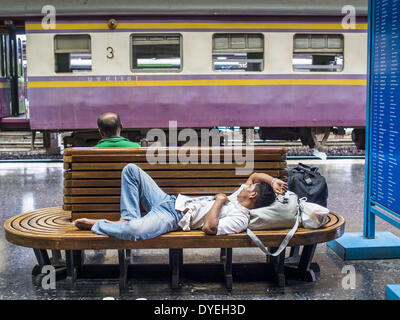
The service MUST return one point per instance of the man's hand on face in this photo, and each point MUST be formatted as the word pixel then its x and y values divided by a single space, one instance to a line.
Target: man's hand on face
pixel 279 186
pixel 222 197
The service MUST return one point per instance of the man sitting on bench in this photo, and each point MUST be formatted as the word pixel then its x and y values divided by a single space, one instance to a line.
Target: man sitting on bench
pixel 217 214
pixel 110 128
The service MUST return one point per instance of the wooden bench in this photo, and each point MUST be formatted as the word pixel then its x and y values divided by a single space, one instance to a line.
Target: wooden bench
pixel 92 189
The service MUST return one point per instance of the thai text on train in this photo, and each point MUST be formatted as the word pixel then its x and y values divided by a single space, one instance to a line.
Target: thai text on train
pixel 242 156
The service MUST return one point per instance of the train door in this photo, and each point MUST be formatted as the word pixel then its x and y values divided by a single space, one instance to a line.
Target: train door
pixel 5 92
pixel 22 74
pixel 13 72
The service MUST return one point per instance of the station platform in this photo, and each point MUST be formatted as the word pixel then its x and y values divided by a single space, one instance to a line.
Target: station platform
pixel 29 186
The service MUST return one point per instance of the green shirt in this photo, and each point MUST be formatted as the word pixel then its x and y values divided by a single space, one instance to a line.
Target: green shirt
pixel 116 142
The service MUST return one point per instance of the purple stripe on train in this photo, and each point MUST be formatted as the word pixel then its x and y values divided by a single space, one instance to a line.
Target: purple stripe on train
pixel 154 107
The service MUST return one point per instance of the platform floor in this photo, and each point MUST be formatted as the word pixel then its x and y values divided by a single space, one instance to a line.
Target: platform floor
pixel 29 186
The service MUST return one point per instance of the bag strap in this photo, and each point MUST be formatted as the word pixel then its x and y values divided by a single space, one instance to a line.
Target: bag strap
pixel 304 166
pixel 307 168
pixel 284 243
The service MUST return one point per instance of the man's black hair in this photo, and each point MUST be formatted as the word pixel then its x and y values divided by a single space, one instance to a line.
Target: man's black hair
pixel 265 195
pixel 109 125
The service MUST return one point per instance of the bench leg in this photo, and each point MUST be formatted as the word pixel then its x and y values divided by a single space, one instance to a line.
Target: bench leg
pixel 42 257
pixel 79 256
pixel 227 261
pixel 278 264
pixel 71 271
pixel 124 257
pixel 305 269
pixel 175 262
pixel 56 257
pixel 222 255
pixel 294 256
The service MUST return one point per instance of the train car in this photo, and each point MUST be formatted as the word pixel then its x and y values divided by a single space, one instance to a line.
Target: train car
pixel 292 68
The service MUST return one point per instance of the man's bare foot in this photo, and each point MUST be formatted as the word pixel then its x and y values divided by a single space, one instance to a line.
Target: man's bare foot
pixel 84 223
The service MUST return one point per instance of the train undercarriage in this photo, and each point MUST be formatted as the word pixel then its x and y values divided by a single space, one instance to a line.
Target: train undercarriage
pixel 315 137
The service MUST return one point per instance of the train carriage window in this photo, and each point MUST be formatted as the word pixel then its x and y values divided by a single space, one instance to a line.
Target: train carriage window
pixel 152 52
pixel 238 52
pixel 2 57
pixel 5 64
pixel 318 53
pixel 73 53
pixel 21 44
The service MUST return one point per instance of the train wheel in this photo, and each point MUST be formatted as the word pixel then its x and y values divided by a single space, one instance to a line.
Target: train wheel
pixel 306 138
pixel 317 143
pixel 358 137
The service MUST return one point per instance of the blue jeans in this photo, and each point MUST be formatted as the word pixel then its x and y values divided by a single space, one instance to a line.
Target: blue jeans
pixel 137 187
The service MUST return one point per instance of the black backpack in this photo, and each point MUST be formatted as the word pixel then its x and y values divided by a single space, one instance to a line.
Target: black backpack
pixel 307 182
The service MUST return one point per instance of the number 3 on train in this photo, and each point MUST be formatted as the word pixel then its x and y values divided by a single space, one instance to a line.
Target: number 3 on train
pixel 110 51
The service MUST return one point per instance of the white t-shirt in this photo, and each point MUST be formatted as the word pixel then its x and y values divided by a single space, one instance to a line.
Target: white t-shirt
pixel 233 217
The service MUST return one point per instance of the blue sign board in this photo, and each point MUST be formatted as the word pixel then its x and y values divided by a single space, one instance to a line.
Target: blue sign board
pixel 382 196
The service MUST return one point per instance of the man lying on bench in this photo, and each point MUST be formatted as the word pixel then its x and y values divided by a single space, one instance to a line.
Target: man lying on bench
pixel 219 214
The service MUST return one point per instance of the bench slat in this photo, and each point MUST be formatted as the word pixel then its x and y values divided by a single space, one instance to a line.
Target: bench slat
pixel 103 192
pixel 91 191
pixel 94 199
pixel 144 158
pixel 112 215
pixel 173 150
pixel 92 183
pixel 171 190
pixel 146 166
pixel 168 174
pixel 161 182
